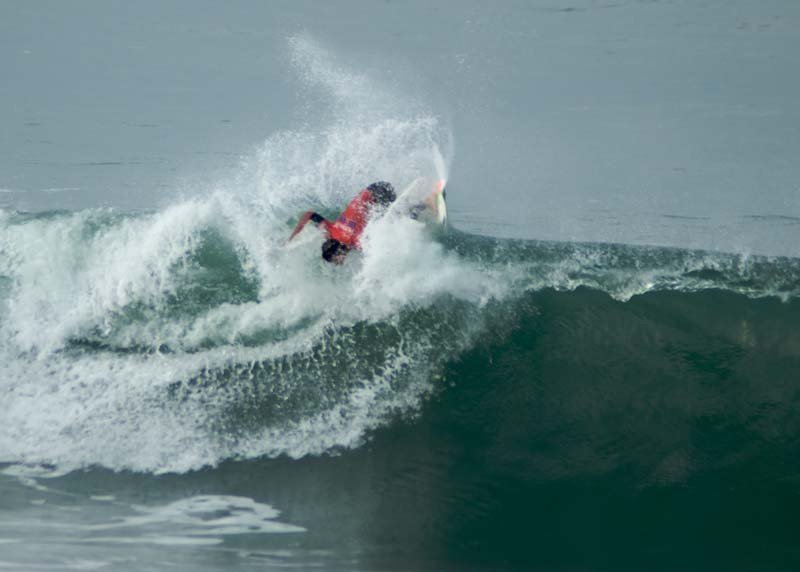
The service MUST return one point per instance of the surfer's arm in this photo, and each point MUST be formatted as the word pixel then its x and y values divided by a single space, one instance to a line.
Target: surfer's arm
pixel 304 218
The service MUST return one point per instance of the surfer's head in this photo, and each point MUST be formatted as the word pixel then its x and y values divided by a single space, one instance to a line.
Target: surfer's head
pixel 382 192
pixel 334 251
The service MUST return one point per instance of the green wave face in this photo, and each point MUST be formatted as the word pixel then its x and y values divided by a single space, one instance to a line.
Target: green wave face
pixel 171 340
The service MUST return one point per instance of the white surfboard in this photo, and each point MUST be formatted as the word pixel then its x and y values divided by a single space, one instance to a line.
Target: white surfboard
pixel 424 200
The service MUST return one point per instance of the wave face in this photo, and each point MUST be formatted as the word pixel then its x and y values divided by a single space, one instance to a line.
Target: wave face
pixel 168 341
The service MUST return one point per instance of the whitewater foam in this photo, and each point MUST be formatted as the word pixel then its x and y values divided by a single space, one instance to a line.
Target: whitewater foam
pixel 134 369
pixel 176 339
pixel 134 341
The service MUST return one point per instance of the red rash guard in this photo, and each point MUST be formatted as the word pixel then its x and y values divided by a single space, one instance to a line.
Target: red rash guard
pixel 348 227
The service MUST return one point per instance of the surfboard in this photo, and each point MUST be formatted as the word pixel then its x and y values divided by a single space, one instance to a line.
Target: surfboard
pixel 440 207
pixel 424 200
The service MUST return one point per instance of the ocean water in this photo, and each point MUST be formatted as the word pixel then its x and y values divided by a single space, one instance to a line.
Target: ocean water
pixel 594 366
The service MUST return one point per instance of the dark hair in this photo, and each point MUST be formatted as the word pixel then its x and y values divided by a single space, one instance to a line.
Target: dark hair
pixel 382 192
pixel 332 248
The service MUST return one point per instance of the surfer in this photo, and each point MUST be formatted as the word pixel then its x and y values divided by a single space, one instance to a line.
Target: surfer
pixel 343 235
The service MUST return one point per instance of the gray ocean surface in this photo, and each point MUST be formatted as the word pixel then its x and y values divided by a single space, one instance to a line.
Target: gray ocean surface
pixel 594 367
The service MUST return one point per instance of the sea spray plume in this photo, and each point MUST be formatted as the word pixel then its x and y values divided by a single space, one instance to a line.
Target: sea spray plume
pixel 356 131
pixel 348 94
